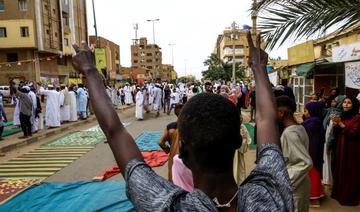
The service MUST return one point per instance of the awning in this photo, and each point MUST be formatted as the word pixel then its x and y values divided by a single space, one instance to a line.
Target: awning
pixel 304 69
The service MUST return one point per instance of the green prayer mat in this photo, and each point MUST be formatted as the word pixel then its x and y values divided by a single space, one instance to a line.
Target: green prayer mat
pixel 12 131
pixel 251 128
pixel 9 123
pixel 79 138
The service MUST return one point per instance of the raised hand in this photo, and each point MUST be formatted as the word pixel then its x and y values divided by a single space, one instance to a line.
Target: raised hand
pixel 257 56
pixel 84 60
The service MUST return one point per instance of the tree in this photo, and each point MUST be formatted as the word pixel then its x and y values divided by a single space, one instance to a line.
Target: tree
pixel 188 78
pixel 218 69
pixel 281 20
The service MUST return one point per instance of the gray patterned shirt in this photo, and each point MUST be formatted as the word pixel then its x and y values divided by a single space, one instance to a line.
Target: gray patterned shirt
pixel 267 188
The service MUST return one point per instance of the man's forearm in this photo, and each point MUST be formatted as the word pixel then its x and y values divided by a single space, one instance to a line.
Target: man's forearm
pixel 265 108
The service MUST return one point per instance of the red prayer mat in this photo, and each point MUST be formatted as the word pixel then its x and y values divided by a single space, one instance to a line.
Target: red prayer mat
pixel 153 159
pixel 11 187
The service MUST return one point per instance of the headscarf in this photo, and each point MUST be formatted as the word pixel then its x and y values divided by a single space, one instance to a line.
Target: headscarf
pixel 345 115
pixel 315 109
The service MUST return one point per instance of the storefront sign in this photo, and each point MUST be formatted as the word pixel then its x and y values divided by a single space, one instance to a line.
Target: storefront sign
pixel 352 75
pixel 346 52
pixel 100 57
pixel 302 53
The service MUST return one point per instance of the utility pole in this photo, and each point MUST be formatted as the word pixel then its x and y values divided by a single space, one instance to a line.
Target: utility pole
pixel 95 26
pixel 172 53
pixel 153 22
pixel 234 28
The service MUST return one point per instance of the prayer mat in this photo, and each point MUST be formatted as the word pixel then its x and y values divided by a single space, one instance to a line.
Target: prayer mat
pixel 148 141
pixel 79 138
pixel 97 127
pixel 11 131
pixel 74 196
pixel 9 123
pixel 250 129
pixel 153 159
pixel 42 162
pixel 11 187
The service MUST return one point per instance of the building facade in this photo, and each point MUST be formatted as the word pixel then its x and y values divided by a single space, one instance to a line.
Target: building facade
pixel 36 38
pixel 233 45
pixel 112 55
pixel 147 56
pixel 327 62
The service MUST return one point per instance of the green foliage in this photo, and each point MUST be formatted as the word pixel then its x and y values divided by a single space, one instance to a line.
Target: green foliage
pixel 217 69
pixel 282 20
pixel 188 78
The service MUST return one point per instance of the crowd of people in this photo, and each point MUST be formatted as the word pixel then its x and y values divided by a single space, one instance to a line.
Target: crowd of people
pixel 63 104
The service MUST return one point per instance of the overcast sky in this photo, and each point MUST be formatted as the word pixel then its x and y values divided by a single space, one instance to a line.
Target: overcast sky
pixel 193 25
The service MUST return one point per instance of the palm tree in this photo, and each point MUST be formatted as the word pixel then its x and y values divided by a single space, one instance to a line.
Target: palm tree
pixel 281 20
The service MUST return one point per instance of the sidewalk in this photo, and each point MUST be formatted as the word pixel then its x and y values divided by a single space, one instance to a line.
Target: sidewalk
pixel 13 142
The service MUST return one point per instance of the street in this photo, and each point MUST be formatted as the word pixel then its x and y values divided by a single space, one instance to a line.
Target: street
pixel 100 158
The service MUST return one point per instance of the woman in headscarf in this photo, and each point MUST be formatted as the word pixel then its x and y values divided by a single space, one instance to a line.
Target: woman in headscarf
pixel 346 188
pixel 330 140
pixel 315 131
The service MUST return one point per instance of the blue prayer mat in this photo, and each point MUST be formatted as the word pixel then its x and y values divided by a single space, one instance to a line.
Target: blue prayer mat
pixel 148 141
pixel 75 196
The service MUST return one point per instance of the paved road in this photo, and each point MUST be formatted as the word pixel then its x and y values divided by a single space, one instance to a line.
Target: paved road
pixel 100 158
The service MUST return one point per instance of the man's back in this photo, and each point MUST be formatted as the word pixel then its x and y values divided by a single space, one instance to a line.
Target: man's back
pixel 295 144
pixel 266 189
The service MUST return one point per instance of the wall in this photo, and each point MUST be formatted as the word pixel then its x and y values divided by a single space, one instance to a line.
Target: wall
pixel 14 39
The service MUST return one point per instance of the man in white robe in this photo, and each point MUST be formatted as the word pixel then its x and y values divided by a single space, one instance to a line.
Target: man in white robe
pixel 157 99
pixel 128 96
pixel 65 109
pixel 34 119
pixel 72 105
pixel 53 102
pixel 139 105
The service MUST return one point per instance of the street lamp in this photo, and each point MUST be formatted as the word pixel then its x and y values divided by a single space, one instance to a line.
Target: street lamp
pixel 172 53
pixel 96 33
pixel 234 27
pixel 153 22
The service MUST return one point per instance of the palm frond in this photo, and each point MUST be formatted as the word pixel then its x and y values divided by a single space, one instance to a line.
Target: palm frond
pixel 281 20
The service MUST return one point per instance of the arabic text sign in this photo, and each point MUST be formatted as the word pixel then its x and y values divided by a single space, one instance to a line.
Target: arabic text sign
pixel 352 75
pixel 346 52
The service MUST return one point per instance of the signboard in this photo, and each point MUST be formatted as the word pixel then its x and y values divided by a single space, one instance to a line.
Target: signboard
pixel 100 59
pixel 74 81
pixel 302 53
pixel 346 52
pixel 352 75
pixel 273 77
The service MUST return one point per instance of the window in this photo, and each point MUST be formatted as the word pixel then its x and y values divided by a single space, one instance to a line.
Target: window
pixel 136 61
pixel 48 32
pixel 2 32
pixel 12 57
pixel 65 19
pixel 24 31
pixel 148 54
pixel 2 6
pixel 23 5
pixel 66 42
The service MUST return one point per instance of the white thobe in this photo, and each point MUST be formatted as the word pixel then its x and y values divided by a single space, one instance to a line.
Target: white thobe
pixel 128 96
pixel 65 109
pixel 34 120
pixel 52 111
pixel 72 106
pixel 139 105
pixel 16 116
pixel 157 99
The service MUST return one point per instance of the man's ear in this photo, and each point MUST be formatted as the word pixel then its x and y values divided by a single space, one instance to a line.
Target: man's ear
pixel 184 154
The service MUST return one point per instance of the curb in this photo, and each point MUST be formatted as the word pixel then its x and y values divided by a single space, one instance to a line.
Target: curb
pixel 53 132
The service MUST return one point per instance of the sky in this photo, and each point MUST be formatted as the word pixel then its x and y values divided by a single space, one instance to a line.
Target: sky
pixel 192 25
